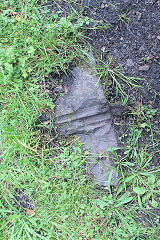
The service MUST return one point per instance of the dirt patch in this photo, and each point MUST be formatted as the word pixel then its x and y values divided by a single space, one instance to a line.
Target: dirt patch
pixel 134 38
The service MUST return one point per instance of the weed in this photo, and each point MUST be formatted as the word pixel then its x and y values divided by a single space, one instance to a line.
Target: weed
pixel 123 18
pixel 143 118
pixel 144 60
pixel 111 75
pixel 136 174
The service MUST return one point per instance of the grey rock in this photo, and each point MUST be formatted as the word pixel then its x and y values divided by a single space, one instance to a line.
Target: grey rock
pixel 101 170
pixel 144 68
pixel 84 111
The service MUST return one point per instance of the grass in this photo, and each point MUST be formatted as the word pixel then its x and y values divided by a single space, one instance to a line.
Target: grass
pixel 66 203
pixel 110 74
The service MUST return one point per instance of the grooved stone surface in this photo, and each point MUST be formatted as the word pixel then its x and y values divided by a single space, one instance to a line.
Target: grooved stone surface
pixel 84 111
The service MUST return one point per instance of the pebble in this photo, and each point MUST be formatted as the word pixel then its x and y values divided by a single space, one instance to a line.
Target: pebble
pixel 130 63
pixel 102 5
pixel 103 49
pixel 158 37
pixel 139 15
pixel 144 68
pixel 101 40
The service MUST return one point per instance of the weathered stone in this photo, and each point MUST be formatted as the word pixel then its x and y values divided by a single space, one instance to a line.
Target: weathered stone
pixel 84 111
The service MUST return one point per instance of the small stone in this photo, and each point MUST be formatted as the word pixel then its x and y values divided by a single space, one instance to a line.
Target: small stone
pixel 130 63
pixel 139 15
pixel 121 38
pixel 101 40
pixel 103 49
pixel 144 68
pixel 158 37
pixel 102 5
